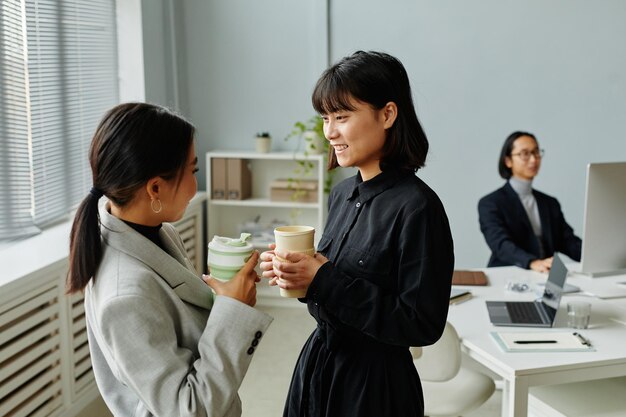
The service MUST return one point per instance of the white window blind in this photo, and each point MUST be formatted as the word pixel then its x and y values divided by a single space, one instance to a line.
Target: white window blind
pixel 58 75
pixel 15 167
pixel 72 71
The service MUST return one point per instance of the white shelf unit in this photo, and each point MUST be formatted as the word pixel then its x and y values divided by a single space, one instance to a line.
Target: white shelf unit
pixel 225 216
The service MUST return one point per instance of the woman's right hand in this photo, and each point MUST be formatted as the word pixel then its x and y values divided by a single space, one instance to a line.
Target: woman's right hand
pixel 267 264
pixel 242 286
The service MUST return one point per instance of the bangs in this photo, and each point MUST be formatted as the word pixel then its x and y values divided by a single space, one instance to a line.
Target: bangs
pixel 332 95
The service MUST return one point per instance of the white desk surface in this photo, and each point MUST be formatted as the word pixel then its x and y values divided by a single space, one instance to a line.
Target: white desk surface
pixel 607 333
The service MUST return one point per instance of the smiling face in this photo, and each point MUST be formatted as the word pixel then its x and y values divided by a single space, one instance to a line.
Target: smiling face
pixel 358 136
pixel 526 170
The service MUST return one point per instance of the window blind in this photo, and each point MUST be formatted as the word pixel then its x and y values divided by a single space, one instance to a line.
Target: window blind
pixel 72 72
pixel 15 166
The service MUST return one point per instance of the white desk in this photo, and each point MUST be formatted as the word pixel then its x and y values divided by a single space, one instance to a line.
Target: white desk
pixel 607 332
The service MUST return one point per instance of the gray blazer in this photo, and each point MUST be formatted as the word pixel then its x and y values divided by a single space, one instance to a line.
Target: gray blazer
pixel 161 343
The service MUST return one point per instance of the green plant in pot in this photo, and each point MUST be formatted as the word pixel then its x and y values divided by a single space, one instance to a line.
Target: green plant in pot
pixel 311 131
pixel 263 142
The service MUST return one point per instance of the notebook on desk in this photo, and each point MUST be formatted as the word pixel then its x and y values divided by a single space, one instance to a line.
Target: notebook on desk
pixel 539 313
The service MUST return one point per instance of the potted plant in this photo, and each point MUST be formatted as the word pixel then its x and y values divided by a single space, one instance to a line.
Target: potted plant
pixel 263 142
pixel 311 131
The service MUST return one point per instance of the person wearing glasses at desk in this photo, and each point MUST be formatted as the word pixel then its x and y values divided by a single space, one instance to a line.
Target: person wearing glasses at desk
pixel 523 226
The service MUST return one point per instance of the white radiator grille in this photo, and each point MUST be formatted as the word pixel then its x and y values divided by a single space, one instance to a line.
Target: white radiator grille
pixel 187 230
pixel 190 229
pixel 30 352
pixel 82 375
pixel 45 367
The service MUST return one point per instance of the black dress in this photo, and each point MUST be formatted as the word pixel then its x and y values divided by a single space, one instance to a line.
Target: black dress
pixel 386 287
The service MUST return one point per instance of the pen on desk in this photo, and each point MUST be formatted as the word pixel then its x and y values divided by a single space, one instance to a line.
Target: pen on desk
pixel 529 342
pixel 584 341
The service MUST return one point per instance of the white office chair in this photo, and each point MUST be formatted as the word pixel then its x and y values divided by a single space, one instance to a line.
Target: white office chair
pixel 450 390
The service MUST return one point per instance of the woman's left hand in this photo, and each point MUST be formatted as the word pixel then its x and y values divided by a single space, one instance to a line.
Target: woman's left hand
pixel 297 270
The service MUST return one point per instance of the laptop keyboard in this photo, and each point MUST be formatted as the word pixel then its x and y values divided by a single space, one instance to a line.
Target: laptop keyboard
pixel 524 313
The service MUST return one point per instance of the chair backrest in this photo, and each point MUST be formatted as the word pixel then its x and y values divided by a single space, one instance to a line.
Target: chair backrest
pixel 440 361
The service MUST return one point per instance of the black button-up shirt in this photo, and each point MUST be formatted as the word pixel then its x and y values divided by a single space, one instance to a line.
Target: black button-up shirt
pixel 386 287
pixel 391 260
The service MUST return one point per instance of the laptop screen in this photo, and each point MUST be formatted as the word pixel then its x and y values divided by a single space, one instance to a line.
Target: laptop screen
pixel 554 286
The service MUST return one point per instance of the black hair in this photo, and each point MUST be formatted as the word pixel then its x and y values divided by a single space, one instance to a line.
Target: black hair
pixel 507 148
pixel 133 143
pixel 375 78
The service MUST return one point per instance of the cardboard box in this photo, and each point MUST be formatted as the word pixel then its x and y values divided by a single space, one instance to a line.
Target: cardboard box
pixel 303 191
pixel 238 179
pixel 218 178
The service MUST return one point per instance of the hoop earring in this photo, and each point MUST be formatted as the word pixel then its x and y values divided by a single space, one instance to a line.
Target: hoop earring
pixel 160 206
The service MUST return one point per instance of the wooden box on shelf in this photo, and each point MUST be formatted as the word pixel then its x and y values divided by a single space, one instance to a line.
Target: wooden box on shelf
pixel 294 190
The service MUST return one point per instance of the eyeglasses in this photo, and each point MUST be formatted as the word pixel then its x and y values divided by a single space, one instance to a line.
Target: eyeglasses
pixel 525 155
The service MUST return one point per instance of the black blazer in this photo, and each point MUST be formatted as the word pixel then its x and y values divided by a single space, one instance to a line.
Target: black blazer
pixel 507 229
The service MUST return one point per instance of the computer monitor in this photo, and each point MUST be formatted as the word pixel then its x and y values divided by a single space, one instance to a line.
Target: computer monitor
pixel 604 228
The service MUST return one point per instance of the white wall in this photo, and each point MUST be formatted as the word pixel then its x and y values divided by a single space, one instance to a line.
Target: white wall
pixel 130 50
pixel 483 69
pixel 251 66
pixel 479 70
pixel 164 59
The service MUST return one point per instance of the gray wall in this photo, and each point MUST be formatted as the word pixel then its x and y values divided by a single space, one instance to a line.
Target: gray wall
pixel 251 66
pixel 479 70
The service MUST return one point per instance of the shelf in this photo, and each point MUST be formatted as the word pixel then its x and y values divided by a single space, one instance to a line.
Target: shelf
pixel 229 217
pixel 287 155
pixel 264 202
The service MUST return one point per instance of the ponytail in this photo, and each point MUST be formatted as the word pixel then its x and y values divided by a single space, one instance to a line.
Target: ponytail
pixel 85 244
pixel 132 143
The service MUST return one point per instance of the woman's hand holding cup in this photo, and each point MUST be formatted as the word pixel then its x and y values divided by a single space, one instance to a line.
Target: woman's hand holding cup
pixel 267 264
pixel 295 270
pixel 242 286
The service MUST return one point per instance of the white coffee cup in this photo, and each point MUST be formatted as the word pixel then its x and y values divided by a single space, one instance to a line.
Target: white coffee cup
pixel 228 255
pixel 295 239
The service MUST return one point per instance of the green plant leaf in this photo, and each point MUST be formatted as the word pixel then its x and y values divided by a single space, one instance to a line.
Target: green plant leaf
pixel 315 124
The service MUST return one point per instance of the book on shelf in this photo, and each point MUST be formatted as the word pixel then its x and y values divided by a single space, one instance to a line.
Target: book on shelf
pixel 218 178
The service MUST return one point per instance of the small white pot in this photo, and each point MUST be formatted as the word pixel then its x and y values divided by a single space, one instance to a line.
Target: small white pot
pixel 263 144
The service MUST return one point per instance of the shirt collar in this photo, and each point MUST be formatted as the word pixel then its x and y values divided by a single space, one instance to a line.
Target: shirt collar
pixel 366 190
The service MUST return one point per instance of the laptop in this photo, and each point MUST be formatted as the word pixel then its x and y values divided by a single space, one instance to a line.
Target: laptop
pixel 538 313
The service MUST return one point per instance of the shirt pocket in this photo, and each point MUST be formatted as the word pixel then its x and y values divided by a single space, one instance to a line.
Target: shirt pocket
pixel 372 265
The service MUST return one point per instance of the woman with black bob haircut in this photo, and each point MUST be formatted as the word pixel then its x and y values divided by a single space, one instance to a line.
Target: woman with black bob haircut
pixel 161 342
pixel 360 78
pixel 380 281
pixel 523 226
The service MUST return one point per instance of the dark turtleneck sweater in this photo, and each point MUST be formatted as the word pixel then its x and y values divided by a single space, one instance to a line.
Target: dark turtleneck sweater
pixel 149 232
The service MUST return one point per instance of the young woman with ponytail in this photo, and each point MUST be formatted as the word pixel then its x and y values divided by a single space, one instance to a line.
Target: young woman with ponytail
pixel 162 341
